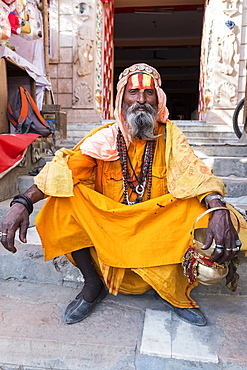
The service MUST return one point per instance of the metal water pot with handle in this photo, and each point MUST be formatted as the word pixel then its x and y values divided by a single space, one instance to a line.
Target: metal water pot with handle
pixel 197 260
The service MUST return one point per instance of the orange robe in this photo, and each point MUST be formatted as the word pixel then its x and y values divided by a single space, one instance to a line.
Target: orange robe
pixel 134 247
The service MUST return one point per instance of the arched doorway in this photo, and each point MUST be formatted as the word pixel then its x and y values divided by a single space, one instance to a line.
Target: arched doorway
pixel 166 35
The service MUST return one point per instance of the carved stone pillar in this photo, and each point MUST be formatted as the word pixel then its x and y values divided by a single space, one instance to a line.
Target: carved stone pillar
pixel 84 109
pixel 221 69
pixel 83 54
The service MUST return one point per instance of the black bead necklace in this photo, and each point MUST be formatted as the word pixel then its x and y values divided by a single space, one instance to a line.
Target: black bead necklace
pixel 137 183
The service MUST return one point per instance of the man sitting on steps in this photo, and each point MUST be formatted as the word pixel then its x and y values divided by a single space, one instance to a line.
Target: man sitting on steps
pixel 121 204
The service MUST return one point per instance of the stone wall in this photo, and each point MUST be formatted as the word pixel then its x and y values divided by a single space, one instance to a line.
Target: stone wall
pixel 73 61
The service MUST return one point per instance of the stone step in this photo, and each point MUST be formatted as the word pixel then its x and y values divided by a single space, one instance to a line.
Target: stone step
pixel 211 135
pixel 217 129
pixel 33 335
pixel 28 264
pixel 235 186
pixel 219 149
pixel 200 140
pixel 240 203
pixel 198 132
pixel 76 132
pixel 75 139
pixel 84 126
pixel 123 332
pixel 227 166
pixel 189 122
pixel 68 144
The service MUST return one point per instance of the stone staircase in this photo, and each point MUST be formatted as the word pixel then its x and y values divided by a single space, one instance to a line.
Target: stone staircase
pixel 216 145
pixel 75 132
pixel 198 132
pixel 220 149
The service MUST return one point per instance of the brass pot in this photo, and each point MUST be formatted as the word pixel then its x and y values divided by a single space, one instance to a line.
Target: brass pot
pixel 209 275
pixel 206 274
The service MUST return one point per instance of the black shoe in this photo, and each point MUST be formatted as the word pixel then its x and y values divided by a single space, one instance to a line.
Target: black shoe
pixel 191 315
pixel 79 309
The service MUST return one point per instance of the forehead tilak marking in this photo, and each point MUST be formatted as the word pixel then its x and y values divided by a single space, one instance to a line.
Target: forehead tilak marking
pixel 141 81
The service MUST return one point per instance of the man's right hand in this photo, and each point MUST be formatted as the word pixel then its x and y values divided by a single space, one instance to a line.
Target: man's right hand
pixel 17 217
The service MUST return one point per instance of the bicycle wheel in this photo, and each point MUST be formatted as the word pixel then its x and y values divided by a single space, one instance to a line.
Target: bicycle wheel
pixel 238 118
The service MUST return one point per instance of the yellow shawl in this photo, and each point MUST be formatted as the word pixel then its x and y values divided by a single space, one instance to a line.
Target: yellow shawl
pixel 187 175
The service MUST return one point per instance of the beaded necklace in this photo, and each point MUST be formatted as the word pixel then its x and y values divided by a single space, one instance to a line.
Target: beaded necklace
pixel 136 183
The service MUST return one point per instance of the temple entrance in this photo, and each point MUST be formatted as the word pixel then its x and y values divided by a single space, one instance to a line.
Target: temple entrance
pixel 168 37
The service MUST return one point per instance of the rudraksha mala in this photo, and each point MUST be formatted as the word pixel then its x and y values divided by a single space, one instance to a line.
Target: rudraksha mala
pixel 137 183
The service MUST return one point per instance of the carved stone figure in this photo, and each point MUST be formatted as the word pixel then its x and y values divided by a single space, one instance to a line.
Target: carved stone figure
pixel 227 49
pixel 84 51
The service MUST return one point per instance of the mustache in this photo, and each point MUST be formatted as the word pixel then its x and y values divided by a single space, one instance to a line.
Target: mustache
pixel 147 107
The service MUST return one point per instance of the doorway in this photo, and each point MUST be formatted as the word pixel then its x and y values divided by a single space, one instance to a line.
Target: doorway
pixel 169 39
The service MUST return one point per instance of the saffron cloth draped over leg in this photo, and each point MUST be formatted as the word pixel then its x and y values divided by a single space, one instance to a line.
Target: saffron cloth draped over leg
pixel 153 233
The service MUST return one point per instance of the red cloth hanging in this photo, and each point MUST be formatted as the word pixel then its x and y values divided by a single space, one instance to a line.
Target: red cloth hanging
pixel 12 150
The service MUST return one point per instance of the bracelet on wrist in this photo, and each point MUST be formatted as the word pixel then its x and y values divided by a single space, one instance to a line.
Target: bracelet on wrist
pixel 27 204
pixel 212 197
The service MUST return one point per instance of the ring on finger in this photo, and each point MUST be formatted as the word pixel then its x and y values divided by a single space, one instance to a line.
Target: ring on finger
pixel 2 234
pixel 229 249
pixel 236 249
pixel 238 243
pixel 220 247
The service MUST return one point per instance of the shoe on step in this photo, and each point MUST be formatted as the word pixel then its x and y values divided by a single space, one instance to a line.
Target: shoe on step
pixel 193 316
pixel 79 309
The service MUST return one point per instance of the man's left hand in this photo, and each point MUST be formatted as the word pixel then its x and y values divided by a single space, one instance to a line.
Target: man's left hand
pixel 221 229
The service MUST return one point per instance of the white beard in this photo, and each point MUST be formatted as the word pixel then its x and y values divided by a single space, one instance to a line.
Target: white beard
pixel 141 124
